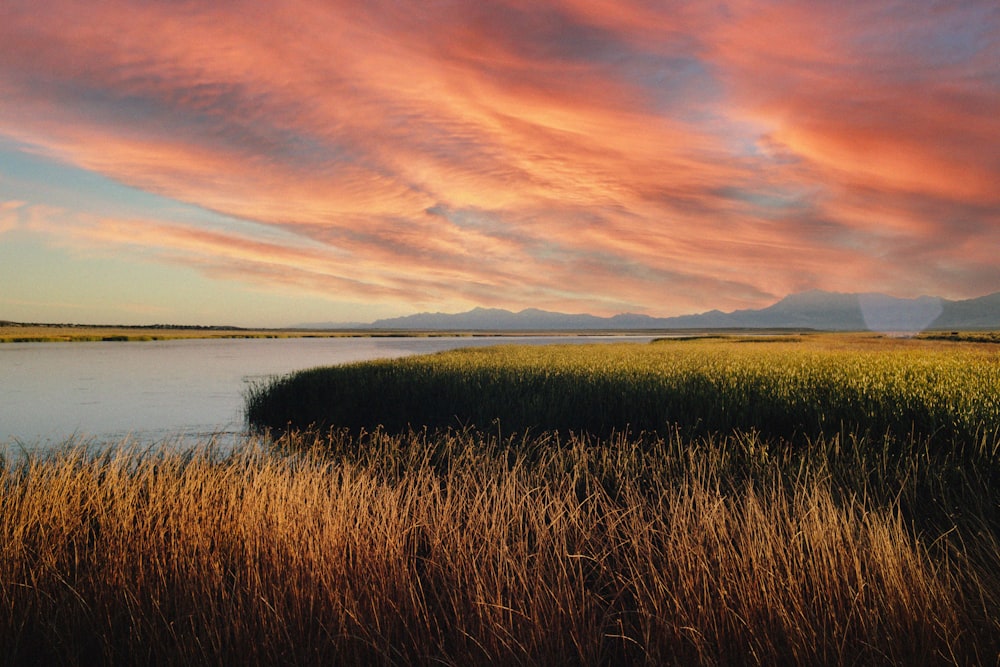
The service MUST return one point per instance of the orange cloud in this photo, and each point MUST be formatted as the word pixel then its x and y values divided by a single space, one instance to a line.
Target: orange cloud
pixel 577 154
pixel 9 216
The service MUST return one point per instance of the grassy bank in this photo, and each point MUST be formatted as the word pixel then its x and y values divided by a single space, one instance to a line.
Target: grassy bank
pixel 459 548
pixel 80 333
pixel 791 388
pixel 63 333
pixel 11 332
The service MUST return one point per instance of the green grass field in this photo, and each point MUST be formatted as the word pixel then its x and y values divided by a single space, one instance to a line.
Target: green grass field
pixel 817 500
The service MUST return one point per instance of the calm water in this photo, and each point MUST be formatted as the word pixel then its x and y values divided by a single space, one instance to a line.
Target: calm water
pixel 177 391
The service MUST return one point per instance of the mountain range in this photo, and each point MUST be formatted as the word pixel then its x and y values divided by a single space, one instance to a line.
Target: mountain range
pixel 815 309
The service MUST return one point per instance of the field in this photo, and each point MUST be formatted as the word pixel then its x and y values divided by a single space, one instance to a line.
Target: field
pixel 71 333
pixel 14 332
pixel 797 500
pixel 81 333
pixel 794 388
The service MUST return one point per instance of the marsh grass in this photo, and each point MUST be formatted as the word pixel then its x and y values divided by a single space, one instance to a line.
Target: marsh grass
pixel 54 333
pixel 692 503
pixel 460 547
pixel 795 390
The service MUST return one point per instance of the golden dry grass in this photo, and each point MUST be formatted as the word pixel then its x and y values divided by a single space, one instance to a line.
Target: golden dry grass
pixel 458 548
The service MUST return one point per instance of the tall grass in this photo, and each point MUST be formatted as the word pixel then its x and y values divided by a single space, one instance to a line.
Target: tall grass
pixel 461 548
pixel 791 390
pixel 828 501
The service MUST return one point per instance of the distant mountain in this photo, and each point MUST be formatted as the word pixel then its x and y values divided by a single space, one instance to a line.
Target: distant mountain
pixel 980 313
pixel 835 311
pixel 815 309
pixel 323 326
pixel 496 319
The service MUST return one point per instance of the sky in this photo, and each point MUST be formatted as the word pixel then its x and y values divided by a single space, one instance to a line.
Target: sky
pixel 260 163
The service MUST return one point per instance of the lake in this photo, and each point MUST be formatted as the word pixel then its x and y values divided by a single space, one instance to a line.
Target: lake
pixel 178 391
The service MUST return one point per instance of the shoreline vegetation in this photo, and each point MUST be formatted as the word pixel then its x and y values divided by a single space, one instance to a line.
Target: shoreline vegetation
pixel 18 332
pixel 85 333
pixel 813 499
pixel 72 333
pixel 787 387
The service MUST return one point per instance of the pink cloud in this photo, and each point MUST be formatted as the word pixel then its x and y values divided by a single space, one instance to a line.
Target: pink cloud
pixel 9 214
pixel 577 154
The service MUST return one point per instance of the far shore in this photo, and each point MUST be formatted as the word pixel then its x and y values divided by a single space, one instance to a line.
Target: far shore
pixel 71 333
pixel 13 332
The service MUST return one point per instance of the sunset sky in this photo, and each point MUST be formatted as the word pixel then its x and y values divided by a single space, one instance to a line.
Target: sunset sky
pixel 263 163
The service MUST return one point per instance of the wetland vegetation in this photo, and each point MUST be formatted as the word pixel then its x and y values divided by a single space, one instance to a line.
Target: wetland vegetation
pixel 803 500
pixel 13 332
pixel 792 388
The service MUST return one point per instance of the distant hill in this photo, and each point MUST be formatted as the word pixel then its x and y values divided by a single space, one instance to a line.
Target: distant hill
pixel 815 309
pixel 496 319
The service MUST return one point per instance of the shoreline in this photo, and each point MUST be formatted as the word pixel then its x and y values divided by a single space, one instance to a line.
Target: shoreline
pixel 12 332
pixel 15 332
pixel 72 333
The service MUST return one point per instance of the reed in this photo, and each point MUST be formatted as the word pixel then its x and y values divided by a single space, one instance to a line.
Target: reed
pixel 824 500
pixel 461 547
pixel 793 390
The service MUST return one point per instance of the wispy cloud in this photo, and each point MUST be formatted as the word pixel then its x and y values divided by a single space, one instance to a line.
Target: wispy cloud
pixel 9 214
pixel 577 154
